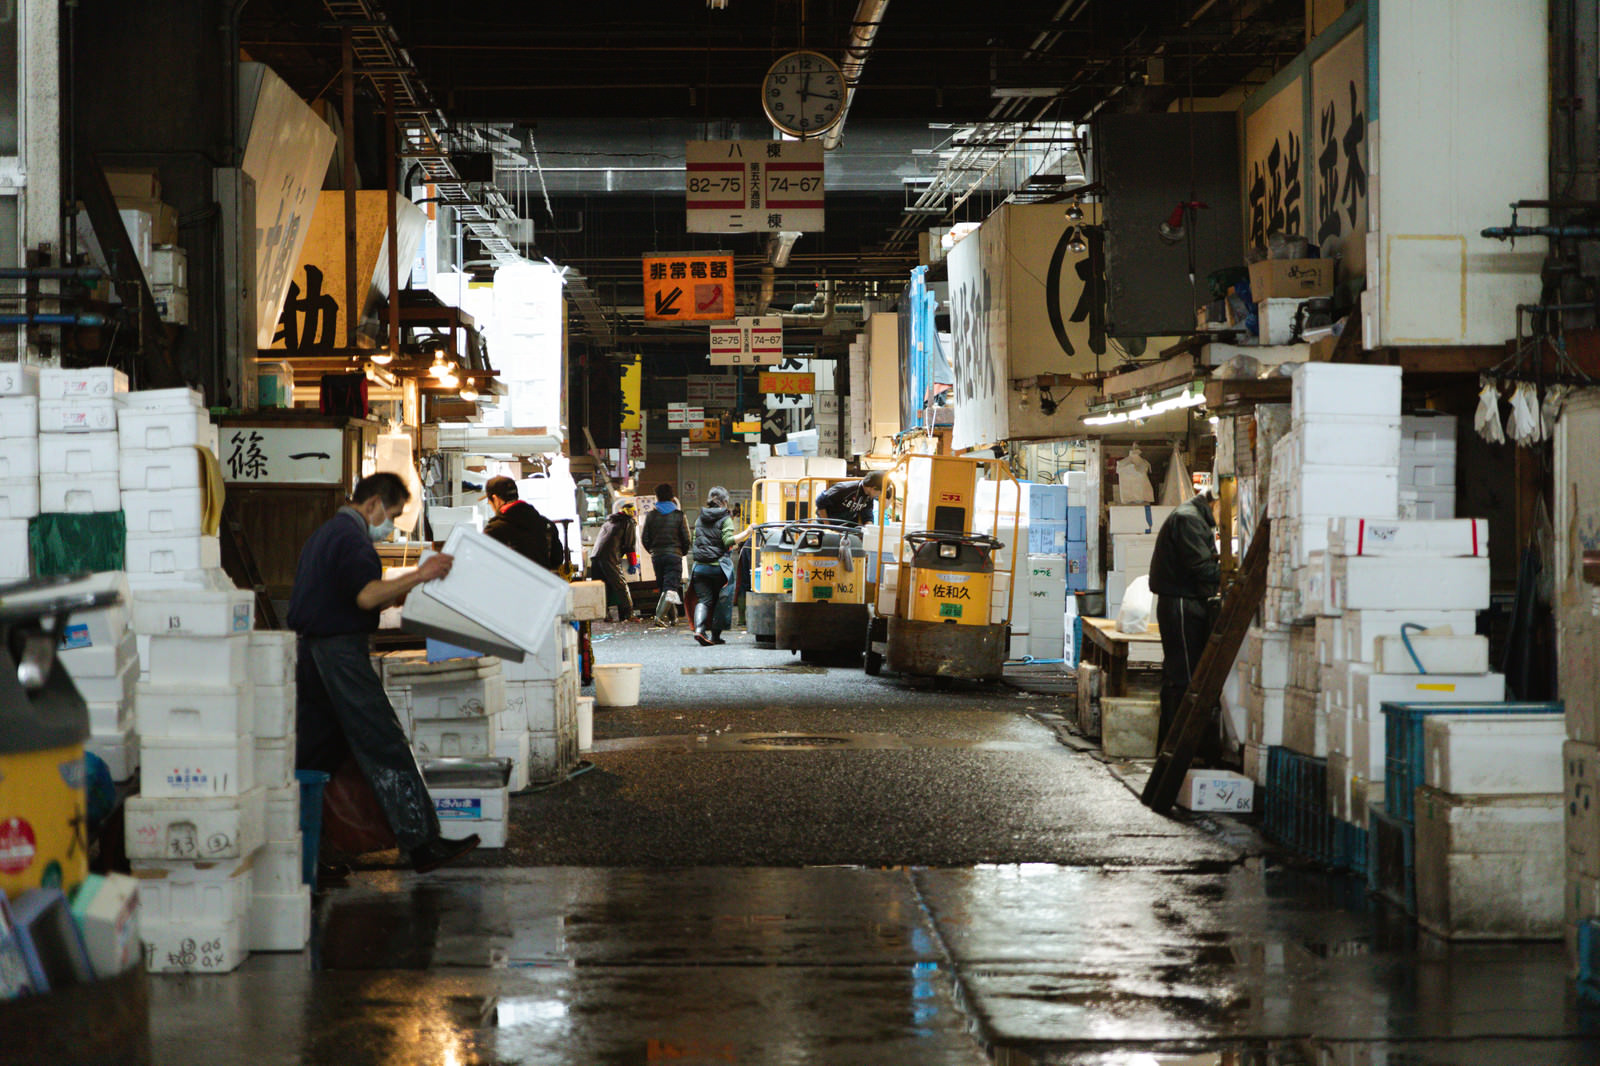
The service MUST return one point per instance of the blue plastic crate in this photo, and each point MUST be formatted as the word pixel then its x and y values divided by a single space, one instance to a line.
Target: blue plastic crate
pixel 1589 952
pixel 1392 860
pixel 1402 750
pixel 1351 844
pixel 312 784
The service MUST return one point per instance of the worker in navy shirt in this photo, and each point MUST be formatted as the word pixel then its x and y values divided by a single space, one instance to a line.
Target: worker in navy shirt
pixel 342 709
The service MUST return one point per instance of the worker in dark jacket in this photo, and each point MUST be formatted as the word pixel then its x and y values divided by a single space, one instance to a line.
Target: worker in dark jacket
pixel 610 560
pixel 714 538
pixel 666 537
pixel 1184 576
pixel 519 526
pixel 851 501
pixel 342 709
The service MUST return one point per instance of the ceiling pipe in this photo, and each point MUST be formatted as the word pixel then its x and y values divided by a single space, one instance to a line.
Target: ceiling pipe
pixel 863 30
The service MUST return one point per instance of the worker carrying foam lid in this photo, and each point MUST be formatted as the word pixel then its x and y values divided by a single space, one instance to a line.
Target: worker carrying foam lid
pixel 1184 576
pixel 341 708
pixel 852 500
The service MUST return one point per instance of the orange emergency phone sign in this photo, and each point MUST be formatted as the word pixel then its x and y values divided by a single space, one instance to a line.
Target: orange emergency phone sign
pixel 688 288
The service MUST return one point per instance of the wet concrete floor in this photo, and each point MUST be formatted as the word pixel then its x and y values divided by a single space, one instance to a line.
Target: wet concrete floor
pixel 777 866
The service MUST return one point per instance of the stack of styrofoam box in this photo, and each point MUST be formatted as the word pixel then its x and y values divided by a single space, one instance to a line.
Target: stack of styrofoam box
pixel 1047 605
pixel 1047 519
pixel 541 716
pixel 163 487
pixel 1267 671
pixel 100 652
pixel 196 831
pixel 1490 840
pixel 1133 529
pixel 280 910
pixel 78 440
pixel 827 416
pixel 1077 483
pixel 1305 726
pixel 1384 574
pixel 1428 466
pixel 19 466
pixel 453 707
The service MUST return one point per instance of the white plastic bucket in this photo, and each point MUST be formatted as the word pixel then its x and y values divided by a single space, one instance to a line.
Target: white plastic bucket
pixel 585 723
pixel 616 684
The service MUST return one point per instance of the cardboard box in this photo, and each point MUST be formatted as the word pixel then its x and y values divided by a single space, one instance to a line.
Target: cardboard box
pixel 1285 278
pixel 134 183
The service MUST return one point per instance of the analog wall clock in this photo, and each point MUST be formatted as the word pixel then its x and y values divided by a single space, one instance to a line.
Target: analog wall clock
pixel 803 93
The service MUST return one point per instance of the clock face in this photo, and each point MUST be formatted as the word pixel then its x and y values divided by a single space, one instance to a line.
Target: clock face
pixel 803 93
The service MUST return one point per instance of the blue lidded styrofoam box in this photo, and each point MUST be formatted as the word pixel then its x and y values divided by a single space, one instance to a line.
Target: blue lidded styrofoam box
pixel 1077 523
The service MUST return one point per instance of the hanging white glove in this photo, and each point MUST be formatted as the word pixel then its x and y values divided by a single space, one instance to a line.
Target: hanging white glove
pixel 1487 420
pixel 1524 425
pixel 1554 397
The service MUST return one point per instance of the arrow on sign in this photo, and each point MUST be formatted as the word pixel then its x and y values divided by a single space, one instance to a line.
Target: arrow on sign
pixel 666 306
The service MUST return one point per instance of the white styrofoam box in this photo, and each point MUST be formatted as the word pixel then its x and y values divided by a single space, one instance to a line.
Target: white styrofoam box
pixel 273 655
pixel 447 737
pixel 113 717
pixel 14 560
pixel 78 453
pixel 1341 727
pixel 19 458
pixel 1136 518
pixel 1131 552
pixel 282 812
pixel 1275 318
pixel 144 428
pixel 513 745
pixel 1273 666
pixel 19 417
pixel 1397 583
pixel 1427 505
pixel 183 946
pixel 281 921
pixel 1217 790
pixel 19 499
pixel 56 383
pixel 79 493
pixel 197 830
pixel 1312 584
pixel 1386 536
pixel 274 711
pixel 458 805
pixel 175 399
pixel 172 512
pixel 1304 729
pixel 164 468
pixel 589 600
pixel 1428 473
pixel 199 613
pixel 1489 867
pixel 1363 629
pixel 1493 755
pixel 1581 792
pixel 182 708
pixel 77 416
pixel 500 589
pixel 171 553
pixel 1345 389
pixel 1429 434
pixel 1330 639
pixel 277 867
pixel 118 749
pixel 191 766
pixel 1266 707
pixel 530 706
pixel 169 265
pixel 1367 743
pixel 101 660
pixel 1464 654
pixel 474 698
pixel 1370 691
pixel 115 689
pixel 1255 763
pixel 19 379
pixel 275 761
pixel 543 663
pixel 1317 489
pixel 178 659
pixel 1344 440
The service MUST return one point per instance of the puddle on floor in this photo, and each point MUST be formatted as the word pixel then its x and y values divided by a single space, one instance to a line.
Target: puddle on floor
pixel 725 742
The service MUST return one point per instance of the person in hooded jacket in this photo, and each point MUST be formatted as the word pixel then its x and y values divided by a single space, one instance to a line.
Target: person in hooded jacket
pixel 666 537
pixel 1184 575
pixel 609 558
pixel 714 538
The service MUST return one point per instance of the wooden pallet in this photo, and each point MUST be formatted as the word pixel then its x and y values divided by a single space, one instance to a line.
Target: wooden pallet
pixel 1198 712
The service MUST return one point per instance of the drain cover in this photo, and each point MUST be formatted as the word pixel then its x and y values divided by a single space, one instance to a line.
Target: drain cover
pixel 789 741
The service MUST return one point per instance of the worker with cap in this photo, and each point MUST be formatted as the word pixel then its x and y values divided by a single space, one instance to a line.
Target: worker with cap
pixel 666 537
pixel 612 558
pixel 341 708
pixel 851 500
pixel 519 526
pixel 1184 576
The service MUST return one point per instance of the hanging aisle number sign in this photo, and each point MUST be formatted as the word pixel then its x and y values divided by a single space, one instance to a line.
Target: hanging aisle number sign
pixel 754 186
pixel 748 342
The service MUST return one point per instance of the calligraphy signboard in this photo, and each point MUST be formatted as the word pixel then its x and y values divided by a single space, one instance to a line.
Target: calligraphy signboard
pixel 1339 152
pixel 267 455
pixel 1274 166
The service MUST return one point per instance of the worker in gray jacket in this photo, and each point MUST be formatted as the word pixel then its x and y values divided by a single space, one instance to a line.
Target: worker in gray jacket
pixel 1184 576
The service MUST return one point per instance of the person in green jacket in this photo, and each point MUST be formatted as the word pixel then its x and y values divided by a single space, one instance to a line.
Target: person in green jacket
pixel 714 538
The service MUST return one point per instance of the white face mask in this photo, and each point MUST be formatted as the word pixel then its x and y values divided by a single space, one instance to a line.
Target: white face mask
pixel 382 531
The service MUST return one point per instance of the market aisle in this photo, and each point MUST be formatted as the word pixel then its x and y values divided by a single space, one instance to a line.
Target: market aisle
pixel 848 871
